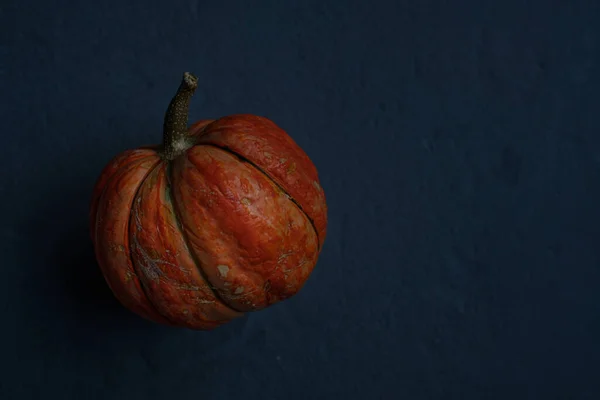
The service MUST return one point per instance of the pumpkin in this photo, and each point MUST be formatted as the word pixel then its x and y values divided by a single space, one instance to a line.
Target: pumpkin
pixel 223 218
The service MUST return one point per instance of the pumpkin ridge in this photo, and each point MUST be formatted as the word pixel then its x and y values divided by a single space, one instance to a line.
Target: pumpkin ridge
pixel 129 230
pixel 96 200
pixel 150 311
pixel 269 177
pixel 107 183
pixel 197 263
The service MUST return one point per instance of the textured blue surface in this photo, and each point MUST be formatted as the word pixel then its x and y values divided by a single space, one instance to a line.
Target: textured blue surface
pixel 458 144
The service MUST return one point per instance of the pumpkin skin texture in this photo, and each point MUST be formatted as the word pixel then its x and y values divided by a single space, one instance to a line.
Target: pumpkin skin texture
pixel 231 221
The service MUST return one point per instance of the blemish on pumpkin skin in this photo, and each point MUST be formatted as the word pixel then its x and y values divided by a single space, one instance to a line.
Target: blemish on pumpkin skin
pixel 267 285
pixel 239 290
pixel 187 287
pixel 291 168
pixel 223 270
pixel 128 276
pixel 148 264
pixel 245 185
pixel 283 256
pixel 117 247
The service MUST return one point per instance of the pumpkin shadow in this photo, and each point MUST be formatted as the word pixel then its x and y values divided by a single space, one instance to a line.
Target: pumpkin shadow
pixel 88 296
pixel 71 298
pixel 100 322
pixel 88 304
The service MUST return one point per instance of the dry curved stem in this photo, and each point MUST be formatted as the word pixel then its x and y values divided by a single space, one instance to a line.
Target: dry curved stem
pixel 175 127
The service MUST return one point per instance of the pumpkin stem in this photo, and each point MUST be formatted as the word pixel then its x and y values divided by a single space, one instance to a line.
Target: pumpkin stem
pixel 175 130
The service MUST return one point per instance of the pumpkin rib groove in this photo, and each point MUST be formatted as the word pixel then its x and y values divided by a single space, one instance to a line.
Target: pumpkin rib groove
pixel 163 261
pixel 269 177
pixel 131 258
pixel 178 219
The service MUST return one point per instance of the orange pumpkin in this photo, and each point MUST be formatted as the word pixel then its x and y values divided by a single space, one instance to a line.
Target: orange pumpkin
pixel 225 217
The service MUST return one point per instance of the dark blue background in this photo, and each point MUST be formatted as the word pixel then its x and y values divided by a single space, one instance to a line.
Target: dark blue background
pixel 458 144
